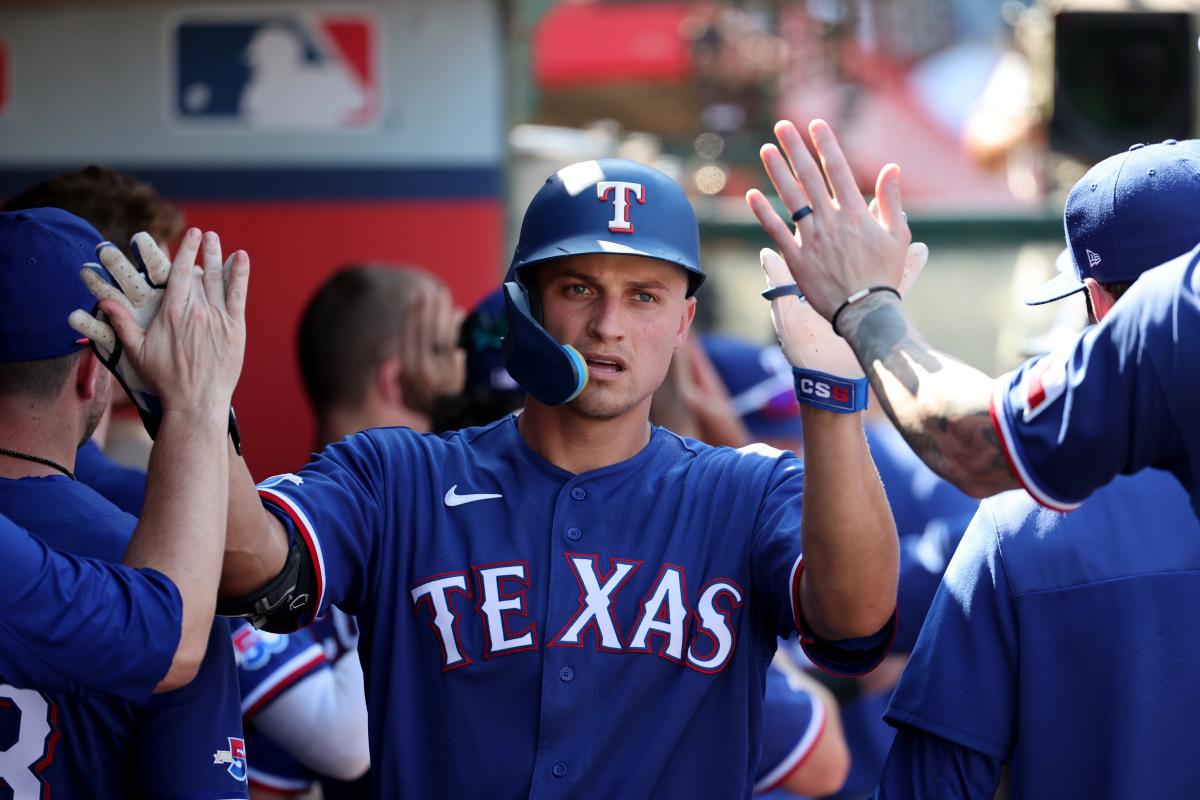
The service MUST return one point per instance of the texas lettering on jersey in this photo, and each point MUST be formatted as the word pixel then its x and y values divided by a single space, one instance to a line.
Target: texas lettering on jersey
pixel 700 636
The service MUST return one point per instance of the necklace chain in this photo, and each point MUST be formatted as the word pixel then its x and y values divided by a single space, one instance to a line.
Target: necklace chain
pixel 38 460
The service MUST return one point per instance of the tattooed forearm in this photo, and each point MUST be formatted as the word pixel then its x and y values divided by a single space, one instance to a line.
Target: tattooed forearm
pixel 940 405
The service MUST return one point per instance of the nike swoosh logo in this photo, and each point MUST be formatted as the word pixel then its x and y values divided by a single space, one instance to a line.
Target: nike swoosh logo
pixel 453 499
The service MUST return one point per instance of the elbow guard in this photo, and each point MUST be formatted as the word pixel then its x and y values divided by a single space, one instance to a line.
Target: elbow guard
pixel 280 605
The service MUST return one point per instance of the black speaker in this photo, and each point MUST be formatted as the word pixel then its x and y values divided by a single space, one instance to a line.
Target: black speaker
pixel 1121 78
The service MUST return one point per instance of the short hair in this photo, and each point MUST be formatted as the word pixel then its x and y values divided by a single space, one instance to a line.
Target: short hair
pixel 116 204
pixel 42 379
pixel 353 322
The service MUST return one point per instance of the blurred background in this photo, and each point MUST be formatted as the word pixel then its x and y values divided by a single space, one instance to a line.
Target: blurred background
pixel 315 135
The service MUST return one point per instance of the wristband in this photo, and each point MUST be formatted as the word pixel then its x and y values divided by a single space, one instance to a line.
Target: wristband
pixel 854 298
pixel 829 392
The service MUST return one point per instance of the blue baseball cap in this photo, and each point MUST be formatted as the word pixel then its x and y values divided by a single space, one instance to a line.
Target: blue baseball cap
pixel 1128 214
pixel 41 253
pixel 759 382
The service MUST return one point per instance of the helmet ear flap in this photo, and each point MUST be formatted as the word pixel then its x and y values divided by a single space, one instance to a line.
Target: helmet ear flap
pixel 553 373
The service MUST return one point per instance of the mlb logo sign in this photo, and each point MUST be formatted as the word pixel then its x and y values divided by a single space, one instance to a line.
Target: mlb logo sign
pixel 281 70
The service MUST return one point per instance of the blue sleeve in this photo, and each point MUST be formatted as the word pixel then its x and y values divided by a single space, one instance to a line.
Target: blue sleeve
pixel 190 744
pixel 268 664
pixel 79 622
pixel 1118 399
pixel 336 506
pixel 921 766
pixel 793 721
pixel 777 564
pixel 961 680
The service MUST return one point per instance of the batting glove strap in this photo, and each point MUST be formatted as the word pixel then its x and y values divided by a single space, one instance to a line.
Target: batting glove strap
pixel 829 392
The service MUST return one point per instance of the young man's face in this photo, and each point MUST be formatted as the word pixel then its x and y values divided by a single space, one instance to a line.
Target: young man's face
pixel 626 315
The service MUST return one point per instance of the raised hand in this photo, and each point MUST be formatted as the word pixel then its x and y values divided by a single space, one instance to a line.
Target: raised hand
pixel 183 345
pixel 806 337
pixel 838 246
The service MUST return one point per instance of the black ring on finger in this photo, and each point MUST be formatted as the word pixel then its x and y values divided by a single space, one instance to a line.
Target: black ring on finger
pixel 801 213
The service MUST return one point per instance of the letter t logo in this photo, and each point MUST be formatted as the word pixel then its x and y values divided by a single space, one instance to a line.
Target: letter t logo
pixel 620 199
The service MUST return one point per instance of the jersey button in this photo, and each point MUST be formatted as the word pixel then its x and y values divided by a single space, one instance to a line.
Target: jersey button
pixel 559 769
pixel 573 534
pixel 567 674
pixel 578 493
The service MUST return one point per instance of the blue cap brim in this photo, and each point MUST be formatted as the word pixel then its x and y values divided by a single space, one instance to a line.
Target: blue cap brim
pixel 1064 284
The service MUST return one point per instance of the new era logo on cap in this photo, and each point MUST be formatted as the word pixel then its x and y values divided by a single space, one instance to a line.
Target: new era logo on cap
pixel 1092 258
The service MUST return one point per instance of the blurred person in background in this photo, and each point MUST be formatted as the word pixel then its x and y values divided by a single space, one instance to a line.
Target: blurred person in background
pixel 489 392
pixel 1024 591
pixel 378 346
pixel 113 459
pixel 53 392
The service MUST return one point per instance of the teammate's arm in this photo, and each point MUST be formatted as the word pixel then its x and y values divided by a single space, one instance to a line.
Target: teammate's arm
pixel 256 543
pixel 941 406
pixel 191 356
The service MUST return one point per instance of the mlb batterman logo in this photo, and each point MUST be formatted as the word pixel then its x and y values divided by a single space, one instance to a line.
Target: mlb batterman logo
pixel 280 71
pixel 235 757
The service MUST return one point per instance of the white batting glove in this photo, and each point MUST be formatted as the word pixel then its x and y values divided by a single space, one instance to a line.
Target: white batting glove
pixel 141 292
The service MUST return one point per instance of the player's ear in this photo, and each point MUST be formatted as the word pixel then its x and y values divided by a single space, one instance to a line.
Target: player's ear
pixel 388 377
pixel 685 321
pixel 88 374
pixel 1102 299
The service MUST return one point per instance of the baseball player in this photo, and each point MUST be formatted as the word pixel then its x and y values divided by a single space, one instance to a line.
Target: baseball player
pixel 79 623
pixel 1026 585
pixel 570 602
pixel 52 391
pixel 986 436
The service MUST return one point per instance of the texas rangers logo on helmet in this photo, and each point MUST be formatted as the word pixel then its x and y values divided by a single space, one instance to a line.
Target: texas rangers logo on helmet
pixel 282 70
pixel 235 757
pixel 621 194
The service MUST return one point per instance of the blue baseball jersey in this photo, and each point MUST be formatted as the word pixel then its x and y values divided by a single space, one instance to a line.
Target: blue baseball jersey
pixel 530 632
pixel 793 721
pixel 1064 645
pixel 124 487
pixel 1120 398
pixel 181 744
pixel 75 622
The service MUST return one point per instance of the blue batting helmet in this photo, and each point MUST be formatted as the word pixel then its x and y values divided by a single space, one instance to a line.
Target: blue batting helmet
pixel 609 206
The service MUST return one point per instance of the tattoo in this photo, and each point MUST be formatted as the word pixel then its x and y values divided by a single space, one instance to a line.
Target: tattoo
pixel 941 406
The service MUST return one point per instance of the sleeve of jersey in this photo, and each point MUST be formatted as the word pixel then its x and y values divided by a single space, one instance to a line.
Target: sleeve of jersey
pixel 77 622
pixel 777 566
pixel 270 664
pixel 923 766
pixel 1072 420
pixel 190 744
pixel 334 505
pixel 793 721
pixel 961 680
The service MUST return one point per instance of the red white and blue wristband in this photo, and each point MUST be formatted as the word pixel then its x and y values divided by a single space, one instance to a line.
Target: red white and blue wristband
pixel 830 392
